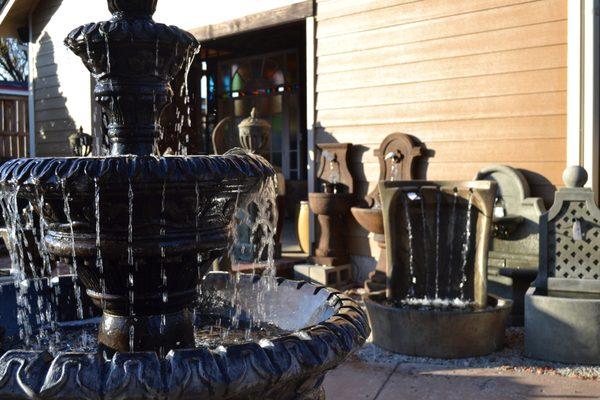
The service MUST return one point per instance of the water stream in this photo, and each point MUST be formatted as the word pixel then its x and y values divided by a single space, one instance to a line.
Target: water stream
pixel 73 263
pixel 443 277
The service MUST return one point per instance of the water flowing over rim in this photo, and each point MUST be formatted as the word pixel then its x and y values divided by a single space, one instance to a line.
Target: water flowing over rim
pixel 313 350
pixel 134 169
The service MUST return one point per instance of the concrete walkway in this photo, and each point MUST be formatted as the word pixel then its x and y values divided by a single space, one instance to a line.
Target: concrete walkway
pixel 356 380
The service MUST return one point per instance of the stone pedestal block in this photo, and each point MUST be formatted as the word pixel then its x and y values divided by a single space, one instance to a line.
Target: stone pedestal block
pixel 330 276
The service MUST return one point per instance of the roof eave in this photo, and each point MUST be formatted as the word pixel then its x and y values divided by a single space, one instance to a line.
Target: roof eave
pixel 14 15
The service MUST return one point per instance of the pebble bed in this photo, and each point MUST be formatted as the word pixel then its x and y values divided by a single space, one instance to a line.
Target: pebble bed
pixel 510 358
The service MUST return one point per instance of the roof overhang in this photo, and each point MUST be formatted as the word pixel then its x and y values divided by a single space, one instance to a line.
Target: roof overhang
pixel 266 19
pixel 14 16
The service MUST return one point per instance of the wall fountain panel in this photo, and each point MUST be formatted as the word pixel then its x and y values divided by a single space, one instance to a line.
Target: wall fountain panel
pixel 437 235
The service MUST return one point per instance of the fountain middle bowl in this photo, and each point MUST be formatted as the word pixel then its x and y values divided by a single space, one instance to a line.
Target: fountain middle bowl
pixel 136 229
pixel 324 328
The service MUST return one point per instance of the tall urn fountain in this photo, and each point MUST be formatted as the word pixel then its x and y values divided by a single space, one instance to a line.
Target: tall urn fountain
pixel 141 233
pixel 330 265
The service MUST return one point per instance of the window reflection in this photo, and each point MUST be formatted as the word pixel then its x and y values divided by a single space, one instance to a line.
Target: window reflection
pixel 271 84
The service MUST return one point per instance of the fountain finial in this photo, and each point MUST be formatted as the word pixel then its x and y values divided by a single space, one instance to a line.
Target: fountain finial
pixel 575 176
pixel 136 8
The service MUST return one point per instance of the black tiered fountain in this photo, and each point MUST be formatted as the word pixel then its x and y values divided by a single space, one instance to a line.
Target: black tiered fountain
pixel 141 232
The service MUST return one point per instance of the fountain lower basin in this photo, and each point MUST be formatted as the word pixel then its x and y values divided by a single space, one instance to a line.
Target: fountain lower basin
pixel 324 328
pixel 560 326
pixel 438 333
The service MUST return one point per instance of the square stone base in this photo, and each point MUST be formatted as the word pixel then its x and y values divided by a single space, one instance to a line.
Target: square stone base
pixel 326 275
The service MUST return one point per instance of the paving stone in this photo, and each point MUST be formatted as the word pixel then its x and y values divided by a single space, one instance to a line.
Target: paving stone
pixel 424 382
pixel 356 381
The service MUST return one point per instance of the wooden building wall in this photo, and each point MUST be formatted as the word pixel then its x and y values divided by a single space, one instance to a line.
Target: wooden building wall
pixel 478 81
pixel 14 134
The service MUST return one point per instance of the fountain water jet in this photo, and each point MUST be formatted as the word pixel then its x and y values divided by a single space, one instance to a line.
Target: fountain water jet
pixel 142 233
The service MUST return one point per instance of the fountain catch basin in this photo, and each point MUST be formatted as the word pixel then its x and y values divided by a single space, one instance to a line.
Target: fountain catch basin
pixel 319 329
pixel 436 332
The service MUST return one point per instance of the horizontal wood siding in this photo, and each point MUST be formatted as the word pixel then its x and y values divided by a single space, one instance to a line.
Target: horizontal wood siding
pixel 479 82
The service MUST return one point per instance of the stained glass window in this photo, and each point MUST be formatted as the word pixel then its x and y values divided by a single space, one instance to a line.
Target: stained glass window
pixel 271 84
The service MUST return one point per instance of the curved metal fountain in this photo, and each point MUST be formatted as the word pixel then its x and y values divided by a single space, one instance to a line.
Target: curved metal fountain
pixel 141 232
pixel 436 302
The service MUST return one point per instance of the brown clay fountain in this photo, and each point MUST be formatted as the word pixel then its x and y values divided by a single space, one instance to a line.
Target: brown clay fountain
pixel 333 203
pixel 397 155
pixel 330 264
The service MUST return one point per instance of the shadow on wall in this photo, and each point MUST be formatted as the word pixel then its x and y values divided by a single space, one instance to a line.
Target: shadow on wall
pixel 53 122
pixel 540 186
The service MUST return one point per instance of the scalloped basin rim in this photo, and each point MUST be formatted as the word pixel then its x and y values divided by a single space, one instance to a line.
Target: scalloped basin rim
pixel 284 364
pixel 134 169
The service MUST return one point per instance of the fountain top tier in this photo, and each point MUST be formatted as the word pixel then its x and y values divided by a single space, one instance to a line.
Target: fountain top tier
pixel 133 59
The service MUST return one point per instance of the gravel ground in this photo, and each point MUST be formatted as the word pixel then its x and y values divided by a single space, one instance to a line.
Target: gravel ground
pixel 509 358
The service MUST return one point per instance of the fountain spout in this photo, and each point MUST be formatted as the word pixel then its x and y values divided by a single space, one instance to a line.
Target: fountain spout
pixel 396 158
pixel 392 156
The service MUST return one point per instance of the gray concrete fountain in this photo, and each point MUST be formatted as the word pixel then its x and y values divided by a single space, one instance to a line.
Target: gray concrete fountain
pixel 562 308
pixel 436 302
pixel 514 249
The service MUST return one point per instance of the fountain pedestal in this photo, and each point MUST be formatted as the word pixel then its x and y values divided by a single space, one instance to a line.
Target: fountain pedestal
pixel 331 210
pixel 124 333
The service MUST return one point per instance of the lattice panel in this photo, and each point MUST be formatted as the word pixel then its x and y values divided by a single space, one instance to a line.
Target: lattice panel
pixel 570 258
